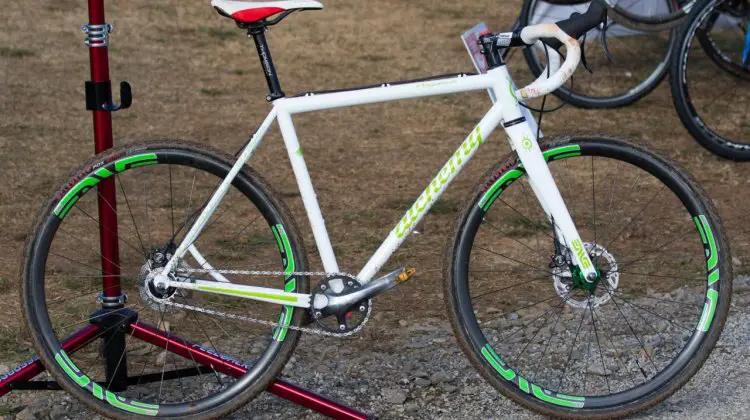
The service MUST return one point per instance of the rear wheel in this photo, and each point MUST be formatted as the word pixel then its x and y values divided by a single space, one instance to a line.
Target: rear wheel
pixel 555 343
pixel 161 188
pixel 640 59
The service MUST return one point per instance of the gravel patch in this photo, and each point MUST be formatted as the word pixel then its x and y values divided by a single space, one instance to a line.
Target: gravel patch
pixel 415 369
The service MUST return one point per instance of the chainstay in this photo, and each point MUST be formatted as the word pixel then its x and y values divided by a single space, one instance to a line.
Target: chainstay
pixel 316 331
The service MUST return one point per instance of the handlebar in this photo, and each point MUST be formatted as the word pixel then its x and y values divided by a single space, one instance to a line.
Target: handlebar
pixel 555 35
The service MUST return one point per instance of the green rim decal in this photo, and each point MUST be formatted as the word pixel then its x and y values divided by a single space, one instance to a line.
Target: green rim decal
pixel 508 177
pixel 290 284
pixel 523 384
pixel 84 381
pixel 498 186
pixel 708 310
pixel 557 399
pixel 712 262
pixel 70 198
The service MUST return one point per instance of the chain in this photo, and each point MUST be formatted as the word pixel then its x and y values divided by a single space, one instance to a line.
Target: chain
pixel 317 331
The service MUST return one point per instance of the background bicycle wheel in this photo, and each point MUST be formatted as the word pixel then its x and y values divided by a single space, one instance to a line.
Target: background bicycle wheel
pixel 198 77
pixel 639 60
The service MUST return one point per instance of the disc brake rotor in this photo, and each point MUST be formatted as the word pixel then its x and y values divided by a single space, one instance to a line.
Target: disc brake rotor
pixel 577 292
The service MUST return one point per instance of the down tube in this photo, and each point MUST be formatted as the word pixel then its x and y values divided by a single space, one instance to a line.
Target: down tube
pixel 433 191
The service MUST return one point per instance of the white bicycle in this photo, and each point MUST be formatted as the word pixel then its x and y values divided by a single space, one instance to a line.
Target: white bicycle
pixel 587 277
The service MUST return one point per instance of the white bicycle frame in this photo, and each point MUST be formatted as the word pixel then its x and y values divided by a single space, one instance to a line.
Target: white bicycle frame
pixel 506 109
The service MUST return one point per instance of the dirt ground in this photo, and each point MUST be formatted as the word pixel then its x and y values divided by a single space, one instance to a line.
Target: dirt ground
pixel 195 76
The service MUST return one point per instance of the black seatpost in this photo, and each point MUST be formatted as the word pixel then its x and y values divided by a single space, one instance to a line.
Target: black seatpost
pixel 259 35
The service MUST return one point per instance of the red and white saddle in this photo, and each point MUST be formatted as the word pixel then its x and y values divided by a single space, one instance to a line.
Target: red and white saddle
pixel 255 11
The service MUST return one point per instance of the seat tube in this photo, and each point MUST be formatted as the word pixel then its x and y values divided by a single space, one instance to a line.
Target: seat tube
pixel 309 199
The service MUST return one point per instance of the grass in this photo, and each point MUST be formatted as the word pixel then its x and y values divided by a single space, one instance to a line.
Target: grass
pixel 213 92
pixel 16 52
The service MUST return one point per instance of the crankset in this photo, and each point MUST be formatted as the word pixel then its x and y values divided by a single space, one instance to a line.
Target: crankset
pixel 340 319
pixel 341 304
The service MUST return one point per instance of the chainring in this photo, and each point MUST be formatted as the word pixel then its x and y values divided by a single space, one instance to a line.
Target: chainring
pixel 343 321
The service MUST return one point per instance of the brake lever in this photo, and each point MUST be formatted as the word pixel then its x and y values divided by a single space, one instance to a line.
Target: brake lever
pixel 605 46
pixel 583 55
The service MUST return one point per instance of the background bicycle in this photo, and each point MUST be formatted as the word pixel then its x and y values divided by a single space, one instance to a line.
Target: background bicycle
pixel 195 115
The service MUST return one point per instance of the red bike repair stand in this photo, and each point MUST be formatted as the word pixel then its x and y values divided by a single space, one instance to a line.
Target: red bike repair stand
pixel 99 100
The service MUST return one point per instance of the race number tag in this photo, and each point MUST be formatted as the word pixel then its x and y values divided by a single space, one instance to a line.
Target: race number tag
pixel 471 41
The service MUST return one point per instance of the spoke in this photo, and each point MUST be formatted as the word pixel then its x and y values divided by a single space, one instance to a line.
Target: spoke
pixel 539 228
pixel 551 335
pixel 630 327
pixel 60 300
pixel 171 199
pixel 598 344
pixel 485 221
pixel 122 356
pixel 660 276
pixel 514 260
pixel 477 297
pixel 570 354
pixel 200 326
pixel 132 217
pixel 635 183
pixel 528 205
pixel 74 261
pixel 650 253
pixel 91 249
pixel 629 302
pixel 98 316
pixel 616 350
pixel 545 315
pixel 615 238
pixel 524 307
pixel 139 251
pixel 593 195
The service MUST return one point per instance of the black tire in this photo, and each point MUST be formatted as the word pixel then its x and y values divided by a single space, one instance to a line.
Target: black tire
pixel 653 23
pixel 709 85
pixel 612 85
pixel 277 242
pixel 469 281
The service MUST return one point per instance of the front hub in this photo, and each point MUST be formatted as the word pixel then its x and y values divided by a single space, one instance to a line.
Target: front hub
pixel 571 284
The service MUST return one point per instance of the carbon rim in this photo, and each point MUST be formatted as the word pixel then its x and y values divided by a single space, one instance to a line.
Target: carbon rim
pixel 227 389
pixel 497 362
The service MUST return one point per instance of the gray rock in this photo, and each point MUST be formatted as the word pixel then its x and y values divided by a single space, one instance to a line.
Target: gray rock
pixel 411 407
pixel 25 414
pixel 422 382
pixel 403 323
pixel 40 408
pixel 58 412
pixel 439 377
pixel 394 395
pixel 448 388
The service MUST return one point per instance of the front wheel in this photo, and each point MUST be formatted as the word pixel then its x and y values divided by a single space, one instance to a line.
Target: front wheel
pixel 126 370
pixel 552 341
